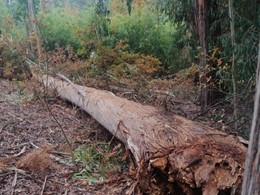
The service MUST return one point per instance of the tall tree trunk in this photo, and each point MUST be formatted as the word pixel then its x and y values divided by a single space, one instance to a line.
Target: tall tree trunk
pixel 43 5
pixel 35 28
pixel 202 30
pixel 234 81
pixel 66 4
pixel 251 185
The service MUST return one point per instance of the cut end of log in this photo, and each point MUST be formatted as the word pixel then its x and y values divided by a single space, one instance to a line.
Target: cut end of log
pixel 205 168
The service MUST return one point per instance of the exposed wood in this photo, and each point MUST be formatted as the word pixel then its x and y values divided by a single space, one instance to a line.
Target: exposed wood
pixel 172 155
pixel 251 181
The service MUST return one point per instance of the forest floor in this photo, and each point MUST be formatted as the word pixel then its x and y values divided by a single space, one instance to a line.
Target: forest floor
pixel 34 155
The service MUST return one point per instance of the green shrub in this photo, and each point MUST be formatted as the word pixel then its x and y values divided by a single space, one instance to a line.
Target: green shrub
pixel 144 32
pixel 118 65
pixel 57 28
pixel 8 25
pixel 97 161
pixel 3 14
pixel 12 59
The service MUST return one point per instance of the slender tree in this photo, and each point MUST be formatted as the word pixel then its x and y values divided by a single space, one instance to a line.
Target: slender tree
pixel 66 4
pixel 35 28
pixel 201 9
pixel 129 6
pixel 234 81
pixel 251 180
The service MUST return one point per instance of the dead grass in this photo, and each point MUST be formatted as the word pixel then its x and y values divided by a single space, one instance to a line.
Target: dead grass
pixel 37 161
pixel 3 167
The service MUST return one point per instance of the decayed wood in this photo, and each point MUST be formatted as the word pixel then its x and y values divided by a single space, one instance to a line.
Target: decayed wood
pixel 172 154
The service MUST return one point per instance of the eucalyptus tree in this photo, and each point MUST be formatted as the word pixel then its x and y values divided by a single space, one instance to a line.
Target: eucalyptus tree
pixel 3 14
pixel 35 29
pixel 101 19
pixel 209 24
pixel 252 171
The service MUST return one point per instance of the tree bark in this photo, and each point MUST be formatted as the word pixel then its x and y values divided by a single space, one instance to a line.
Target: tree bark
pixel 43 5
pixel 251 183
pixel 233 70
pixel 204 15
pixel 202 31
pixel 66 4
pixel 172 155
pixel 33 21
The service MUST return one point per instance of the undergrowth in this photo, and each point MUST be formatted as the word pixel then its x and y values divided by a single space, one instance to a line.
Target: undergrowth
pixel 12 59
pixel 97 160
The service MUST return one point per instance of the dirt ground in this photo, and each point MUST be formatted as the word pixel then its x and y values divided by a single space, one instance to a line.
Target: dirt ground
pixel 34 155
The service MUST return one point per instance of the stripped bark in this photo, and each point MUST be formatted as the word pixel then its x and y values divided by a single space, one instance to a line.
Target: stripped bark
pixel 172 155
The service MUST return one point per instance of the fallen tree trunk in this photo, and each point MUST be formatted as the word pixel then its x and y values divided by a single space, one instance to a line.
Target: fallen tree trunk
pixel 173 155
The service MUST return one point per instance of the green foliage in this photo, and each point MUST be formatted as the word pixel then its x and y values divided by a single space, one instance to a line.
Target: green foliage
pixel 144 32
pixel 129 6
pixel 245 50
pixel 96 160
pixel 19 10
pixel 101 8
pixel 178 11
pixel 246 33
pixel 100 20
pixel 8 24
pixel 12 19
pixel 57 28
pixel 82 30
pixel 118 64
pixel 3 14
pixel 12 59
pixel 219 68
pixel 246 37
pixel 108 65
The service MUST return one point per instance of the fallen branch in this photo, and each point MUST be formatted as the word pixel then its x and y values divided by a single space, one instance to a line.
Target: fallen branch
pixel 44 184
pixel 14 182
pixel 21 152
